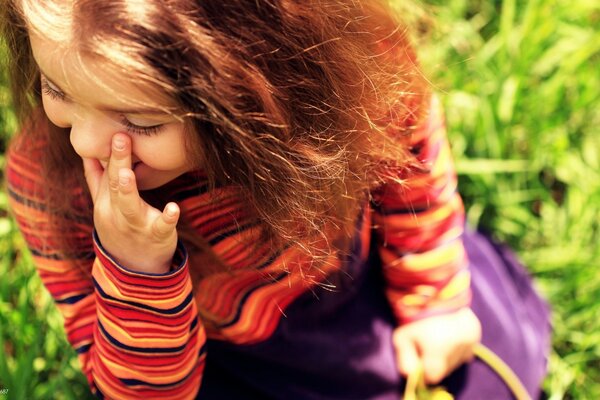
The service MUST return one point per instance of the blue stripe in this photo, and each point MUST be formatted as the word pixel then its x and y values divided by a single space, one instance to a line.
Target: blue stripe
pixel 202 350
pixel 42 207
pixel 194 323
pixel 135 382
pixel 168 311
pixel 26 201
pixel 273 257
pixel 99 394
pixel 186 194
pixel 379 209
pixel 148 350
pixel 242 302
pixel 83 349
pixel 72 299
pixel 86 255
pixel 231 232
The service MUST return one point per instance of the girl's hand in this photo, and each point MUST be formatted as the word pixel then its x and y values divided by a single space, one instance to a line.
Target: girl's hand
pixel 440 343
pixel 138 236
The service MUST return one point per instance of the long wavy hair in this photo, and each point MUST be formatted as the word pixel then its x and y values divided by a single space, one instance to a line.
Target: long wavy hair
pixel 304 105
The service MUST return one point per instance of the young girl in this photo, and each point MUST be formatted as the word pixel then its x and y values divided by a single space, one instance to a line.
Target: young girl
pixel 252 199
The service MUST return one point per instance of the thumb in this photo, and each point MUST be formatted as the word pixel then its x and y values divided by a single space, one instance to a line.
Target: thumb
pixel 93 172
pixel 407 355
pixel 435 368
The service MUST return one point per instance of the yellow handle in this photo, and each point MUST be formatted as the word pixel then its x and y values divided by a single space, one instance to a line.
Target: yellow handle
pixel 508 376
pixel 416 389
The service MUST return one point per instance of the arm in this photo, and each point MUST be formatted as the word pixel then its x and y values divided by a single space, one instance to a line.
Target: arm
pixel 135 334
pixel 419 226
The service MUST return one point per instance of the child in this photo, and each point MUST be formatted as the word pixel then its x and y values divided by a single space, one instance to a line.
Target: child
pixel 252 199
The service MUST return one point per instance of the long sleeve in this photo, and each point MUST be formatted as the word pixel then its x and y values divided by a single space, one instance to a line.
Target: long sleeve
pixel 419 225
pixel 136 335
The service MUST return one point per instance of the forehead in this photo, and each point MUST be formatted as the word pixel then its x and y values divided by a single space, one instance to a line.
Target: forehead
pixel 89 79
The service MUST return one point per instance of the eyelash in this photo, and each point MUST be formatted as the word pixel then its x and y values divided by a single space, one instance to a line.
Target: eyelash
pixel 140 130
pixel 54 94
pixel 131 128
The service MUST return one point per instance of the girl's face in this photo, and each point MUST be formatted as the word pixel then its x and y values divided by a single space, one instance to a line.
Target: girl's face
pixel 95 106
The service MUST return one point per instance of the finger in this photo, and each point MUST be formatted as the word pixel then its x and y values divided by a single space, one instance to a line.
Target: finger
pixel 468 356
pixel 92 170
pixel 166 223
pixel 120 157
pixel 128 199
pixel 407 355
pixel 464 354
pixel 435 368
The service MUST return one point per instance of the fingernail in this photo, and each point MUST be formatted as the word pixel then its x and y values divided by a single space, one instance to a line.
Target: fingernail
pixel 171 210
pixel 119 143
pixel 123 179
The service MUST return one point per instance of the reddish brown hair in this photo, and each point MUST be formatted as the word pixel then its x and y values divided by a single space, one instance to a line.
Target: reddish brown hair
pixel 302 104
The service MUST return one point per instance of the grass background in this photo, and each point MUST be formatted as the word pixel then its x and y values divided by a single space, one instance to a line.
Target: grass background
pixel 520 81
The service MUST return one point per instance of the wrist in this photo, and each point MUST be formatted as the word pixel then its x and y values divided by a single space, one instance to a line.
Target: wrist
pixel 149 266
pixel 144 266
pixel 161 270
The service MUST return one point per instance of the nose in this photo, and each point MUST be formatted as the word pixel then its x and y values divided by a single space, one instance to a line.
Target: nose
pixel 90 136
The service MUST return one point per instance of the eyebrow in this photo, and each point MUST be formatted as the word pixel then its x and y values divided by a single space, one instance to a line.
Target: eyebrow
pixel 143 111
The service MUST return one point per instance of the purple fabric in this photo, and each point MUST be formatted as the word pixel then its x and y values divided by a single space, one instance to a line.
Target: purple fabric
pixel 337 344
pixel 515 322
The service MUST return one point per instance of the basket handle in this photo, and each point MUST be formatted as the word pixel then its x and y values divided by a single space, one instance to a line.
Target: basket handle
pixel 416 383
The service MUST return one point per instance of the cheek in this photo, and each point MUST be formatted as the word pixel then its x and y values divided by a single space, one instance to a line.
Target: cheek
pixel 164 153
pixel 59 114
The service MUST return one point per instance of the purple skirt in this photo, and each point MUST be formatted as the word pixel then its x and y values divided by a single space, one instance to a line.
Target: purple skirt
pixel 338 345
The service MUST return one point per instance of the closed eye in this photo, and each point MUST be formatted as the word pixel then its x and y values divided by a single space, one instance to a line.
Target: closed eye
pixel 50 90
pixel 141 130
pixel 55 93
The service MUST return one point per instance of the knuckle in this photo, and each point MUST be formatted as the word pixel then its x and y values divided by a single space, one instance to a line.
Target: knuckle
pixel 434 375
pixel 128 213
pixel 158 236
pixel 129 209
pixel 113 185
pixel 118 156
pixel 102 210
pixel 435 369
pixel 160 230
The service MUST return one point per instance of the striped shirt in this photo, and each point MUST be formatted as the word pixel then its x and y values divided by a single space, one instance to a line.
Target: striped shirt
pixel 143 335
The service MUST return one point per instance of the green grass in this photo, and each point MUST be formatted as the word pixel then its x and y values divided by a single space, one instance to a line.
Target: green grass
pixel 521 85
pixel 36 361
